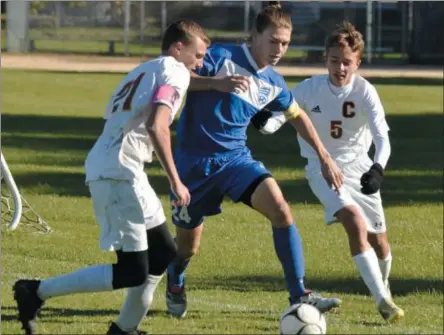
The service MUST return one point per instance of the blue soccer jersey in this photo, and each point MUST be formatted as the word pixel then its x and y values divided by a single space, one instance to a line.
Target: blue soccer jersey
pixel 216 122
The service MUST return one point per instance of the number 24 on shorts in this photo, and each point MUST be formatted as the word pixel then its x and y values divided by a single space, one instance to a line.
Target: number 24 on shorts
pixel 181 213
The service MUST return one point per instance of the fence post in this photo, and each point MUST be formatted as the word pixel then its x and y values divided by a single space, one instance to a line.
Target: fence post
pixel 17 26
pixel 163 17
pixel 369 31
pixel 126 31
pixel 246 16
pixel 142 22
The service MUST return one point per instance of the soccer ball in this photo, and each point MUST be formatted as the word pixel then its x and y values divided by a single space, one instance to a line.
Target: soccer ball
pixel 302 319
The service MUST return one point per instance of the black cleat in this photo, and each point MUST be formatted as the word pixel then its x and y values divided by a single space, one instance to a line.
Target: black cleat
pixel 28 304
pixel 115 330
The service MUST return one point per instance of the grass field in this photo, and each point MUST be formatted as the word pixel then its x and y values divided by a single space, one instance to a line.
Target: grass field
pixel 49 122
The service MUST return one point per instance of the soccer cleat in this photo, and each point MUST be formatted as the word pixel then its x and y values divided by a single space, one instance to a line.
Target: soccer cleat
pixel 389 311
pixel 28 303
pixel 317 300
pixel 176 301
pixel 115 330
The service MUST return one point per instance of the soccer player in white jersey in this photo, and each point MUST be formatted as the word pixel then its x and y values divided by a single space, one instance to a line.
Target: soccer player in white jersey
pixel 127 209
pixel 348 115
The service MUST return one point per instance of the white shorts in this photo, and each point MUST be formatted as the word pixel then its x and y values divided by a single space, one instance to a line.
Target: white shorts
pixel 370 206
pixel 125 210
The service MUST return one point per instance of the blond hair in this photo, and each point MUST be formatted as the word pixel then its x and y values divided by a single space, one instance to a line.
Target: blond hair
pixel 274 16
pixel 183 31
pixel 345 36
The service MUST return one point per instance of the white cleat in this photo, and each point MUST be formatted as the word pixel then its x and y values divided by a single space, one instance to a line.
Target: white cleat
pixel 317 300
pixel 389 311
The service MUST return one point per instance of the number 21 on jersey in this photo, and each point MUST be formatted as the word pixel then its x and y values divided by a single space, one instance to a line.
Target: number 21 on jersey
pixel 124 97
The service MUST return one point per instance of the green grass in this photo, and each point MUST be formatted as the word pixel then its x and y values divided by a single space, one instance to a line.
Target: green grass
pixel 49 122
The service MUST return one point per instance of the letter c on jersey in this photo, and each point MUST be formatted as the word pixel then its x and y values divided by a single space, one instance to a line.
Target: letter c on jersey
pixel 348 109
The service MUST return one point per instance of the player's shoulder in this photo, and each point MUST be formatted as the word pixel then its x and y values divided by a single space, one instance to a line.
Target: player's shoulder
pixel 169 63
pixel 275 78
pixel 223 50
pixel 364 87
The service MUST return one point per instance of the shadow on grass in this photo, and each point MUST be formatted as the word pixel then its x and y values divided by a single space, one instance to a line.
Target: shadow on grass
pixel 417 145
pixel 399 286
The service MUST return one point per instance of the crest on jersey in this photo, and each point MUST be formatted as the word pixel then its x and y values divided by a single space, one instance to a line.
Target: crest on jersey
pixel 264 92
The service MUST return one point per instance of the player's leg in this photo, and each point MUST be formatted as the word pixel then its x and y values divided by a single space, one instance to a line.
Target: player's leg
pixel 187 241
pixel 198 174
pixel 362 252
pixel 189 226
pixel 373 213
pixel 350 208
pixel 249 181
pixel 122 229
pixel 161 251
pixel 380 243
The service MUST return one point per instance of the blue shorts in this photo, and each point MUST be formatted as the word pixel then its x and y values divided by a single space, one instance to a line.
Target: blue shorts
pixel 209 179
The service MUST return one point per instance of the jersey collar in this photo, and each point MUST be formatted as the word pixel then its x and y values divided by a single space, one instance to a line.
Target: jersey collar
pixel 251 59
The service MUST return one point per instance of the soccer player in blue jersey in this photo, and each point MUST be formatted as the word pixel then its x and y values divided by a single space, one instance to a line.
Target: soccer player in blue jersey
pixel 236 82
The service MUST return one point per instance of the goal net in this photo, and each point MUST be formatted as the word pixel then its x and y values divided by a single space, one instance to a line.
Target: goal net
pixel 15 208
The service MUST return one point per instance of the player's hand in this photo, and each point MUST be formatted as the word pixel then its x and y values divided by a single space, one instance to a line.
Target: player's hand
pixel 332 174
pixel 230 84
pixel 372 179
pixel 259 120
pixel 182 194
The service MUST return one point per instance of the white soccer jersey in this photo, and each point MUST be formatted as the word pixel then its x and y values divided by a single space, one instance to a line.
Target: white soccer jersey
pixel 345 118
pixel 124 145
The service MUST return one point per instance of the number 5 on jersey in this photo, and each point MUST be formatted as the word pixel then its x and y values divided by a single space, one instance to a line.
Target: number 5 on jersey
pixel 126 95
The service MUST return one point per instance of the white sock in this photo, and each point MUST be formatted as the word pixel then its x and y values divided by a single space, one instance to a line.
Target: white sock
pixel 96 278
pixel 385 265
pixel 367 264
pixel 137 303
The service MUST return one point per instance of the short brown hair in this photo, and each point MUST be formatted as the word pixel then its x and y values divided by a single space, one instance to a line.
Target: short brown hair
pixel 272 15
pixel 345 36
pixel 183 31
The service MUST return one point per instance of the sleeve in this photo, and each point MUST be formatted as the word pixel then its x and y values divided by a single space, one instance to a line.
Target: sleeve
pixel 213 61
pixel 278 119
pixel 300 93
pixel 273 124
pixel 378 126
pixel 172 83
pixel 285 103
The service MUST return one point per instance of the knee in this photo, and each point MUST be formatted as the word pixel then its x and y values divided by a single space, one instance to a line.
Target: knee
pixel 136 277
pixel 131 269
pixel 379 242
pixel 188 251
pixel 352 221
pixel 281 215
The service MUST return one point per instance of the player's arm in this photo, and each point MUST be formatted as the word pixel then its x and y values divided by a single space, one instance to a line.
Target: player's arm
pixel 205 79
pixel 170 85
pixel 158 127
pixel 268 122
pixel 371 180
pixel 222 84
